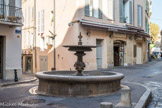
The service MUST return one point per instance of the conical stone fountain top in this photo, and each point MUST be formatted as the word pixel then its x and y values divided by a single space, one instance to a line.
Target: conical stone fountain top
pixel 80 52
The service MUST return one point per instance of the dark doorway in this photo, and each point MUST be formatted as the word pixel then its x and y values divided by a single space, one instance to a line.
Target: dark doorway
pixel 1 57
pixel 28 64
pixel 116 55
pixel 119 53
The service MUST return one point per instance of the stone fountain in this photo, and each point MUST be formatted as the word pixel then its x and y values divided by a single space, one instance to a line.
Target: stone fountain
pixel 78 83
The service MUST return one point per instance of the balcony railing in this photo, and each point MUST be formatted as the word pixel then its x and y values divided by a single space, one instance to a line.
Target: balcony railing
pixel 10 14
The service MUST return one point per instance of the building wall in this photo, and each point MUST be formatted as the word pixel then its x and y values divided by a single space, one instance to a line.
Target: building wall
pixel 12 51
pixel 68 11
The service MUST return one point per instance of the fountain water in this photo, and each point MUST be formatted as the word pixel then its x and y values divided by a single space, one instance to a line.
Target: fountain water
pixel 72 83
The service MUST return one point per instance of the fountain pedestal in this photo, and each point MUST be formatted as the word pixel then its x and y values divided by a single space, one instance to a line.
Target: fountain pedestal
pixel 82 84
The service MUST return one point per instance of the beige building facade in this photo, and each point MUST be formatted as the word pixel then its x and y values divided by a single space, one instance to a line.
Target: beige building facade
pixel 10 39
pixel 117 27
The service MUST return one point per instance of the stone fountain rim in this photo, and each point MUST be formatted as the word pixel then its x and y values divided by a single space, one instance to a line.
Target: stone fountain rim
pixel 91 46
pixel 69 78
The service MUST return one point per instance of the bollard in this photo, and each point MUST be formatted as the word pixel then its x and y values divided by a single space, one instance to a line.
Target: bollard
pixel 106 105
pixel 125 97
pixel 16 78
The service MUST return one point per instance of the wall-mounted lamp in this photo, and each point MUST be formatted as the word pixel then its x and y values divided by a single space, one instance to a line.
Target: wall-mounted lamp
pixel 88 32
pixel 111 35
pixel 130 37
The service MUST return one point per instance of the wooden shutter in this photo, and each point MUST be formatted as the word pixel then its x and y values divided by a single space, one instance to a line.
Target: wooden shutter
pixel 121 14
pixel 141 16
pixel 86 9
pixel 12 7
pixel 130 12
pixel 100 8
pixel 110 9
pixel 114 10
pixel 42 21
pixel 138 14
pixel 39 22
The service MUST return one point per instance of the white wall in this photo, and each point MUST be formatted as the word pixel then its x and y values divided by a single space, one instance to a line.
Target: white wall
pixel 12 51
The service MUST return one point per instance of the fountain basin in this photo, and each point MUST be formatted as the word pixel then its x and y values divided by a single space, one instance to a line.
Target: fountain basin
pixel 65 83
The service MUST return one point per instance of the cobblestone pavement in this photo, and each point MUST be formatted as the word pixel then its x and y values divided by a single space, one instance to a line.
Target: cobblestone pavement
pixel 156 88
pixel 149 75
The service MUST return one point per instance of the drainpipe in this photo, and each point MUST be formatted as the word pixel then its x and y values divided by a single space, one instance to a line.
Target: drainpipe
pixel 35 37
pixel 54 34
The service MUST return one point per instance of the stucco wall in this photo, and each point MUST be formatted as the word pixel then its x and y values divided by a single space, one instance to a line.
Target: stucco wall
pixel 12 51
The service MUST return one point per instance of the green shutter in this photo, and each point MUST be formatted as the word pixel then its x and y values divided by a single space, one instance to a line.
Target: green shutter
pixel 130 12
pixel 86 9
pixel 121 14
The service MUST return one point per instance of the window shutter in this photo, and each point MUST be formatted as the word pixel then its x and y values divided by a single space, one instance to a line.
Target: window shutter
pixel 138 14
pixel 100 8
pixel 121 10
pixel 1 7
pixel 110 9
pixel 86 9
pixel 42 21
pixel 114 10
pixel 39 22
pixel 130 12
pixel 141 16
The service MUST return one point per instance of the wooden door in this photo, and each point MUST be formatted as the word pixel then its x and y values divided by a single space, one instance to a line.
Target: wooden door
pixel 43 60
pixel 139 55
pixel 99 54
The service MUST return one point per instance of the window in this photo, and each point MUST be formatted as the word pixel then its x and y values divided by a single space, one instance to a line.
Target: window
pixel 28 16
pixel 140 15
pixel 108 9
pixel 41 21
pixel 1 7
pixel 31 41
pixel 125 11
pixel 41 44
pixel 93 8
pixel 146 26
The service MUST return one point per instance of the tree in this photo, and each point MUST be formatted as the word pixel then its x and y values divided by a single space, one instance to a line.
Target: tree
pixel 154 30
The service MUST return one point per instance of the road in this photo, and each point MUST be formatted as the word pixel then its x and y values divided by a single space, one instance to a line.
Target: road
pixel 149 74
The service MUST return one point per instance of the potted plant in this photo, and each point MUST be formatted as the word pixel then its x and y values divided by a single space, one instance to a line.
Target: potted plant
pixel 1 17
pixel 12 18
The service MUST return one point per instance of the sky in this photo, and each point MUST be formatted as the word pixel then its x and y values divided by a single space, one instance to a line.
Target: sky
pixel 156 16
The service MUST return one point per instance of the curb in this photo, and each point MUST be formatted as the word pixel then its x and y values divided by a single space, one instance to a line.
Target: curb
pixel 15 83
pixel 145 98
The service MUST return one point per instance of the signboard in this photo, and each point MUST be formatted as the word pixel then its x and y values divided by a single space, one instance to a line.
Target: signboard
pixel 18 31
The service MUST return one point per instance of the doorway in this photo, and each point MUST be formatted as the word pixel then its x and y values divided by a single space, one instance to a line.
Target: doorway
pixel 99 53
pixel 119 53
pixel 28 64
pixel 1 57
pixel 43 60
pixel 139 55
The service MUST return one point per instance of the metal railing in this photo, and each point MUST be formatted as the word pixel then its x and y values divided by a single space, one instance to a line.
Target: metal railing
pixel 10 14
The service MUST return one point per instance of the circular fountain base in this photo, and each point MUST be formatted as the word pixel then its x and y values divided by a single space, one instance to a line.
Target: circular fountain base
pixel 65 83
